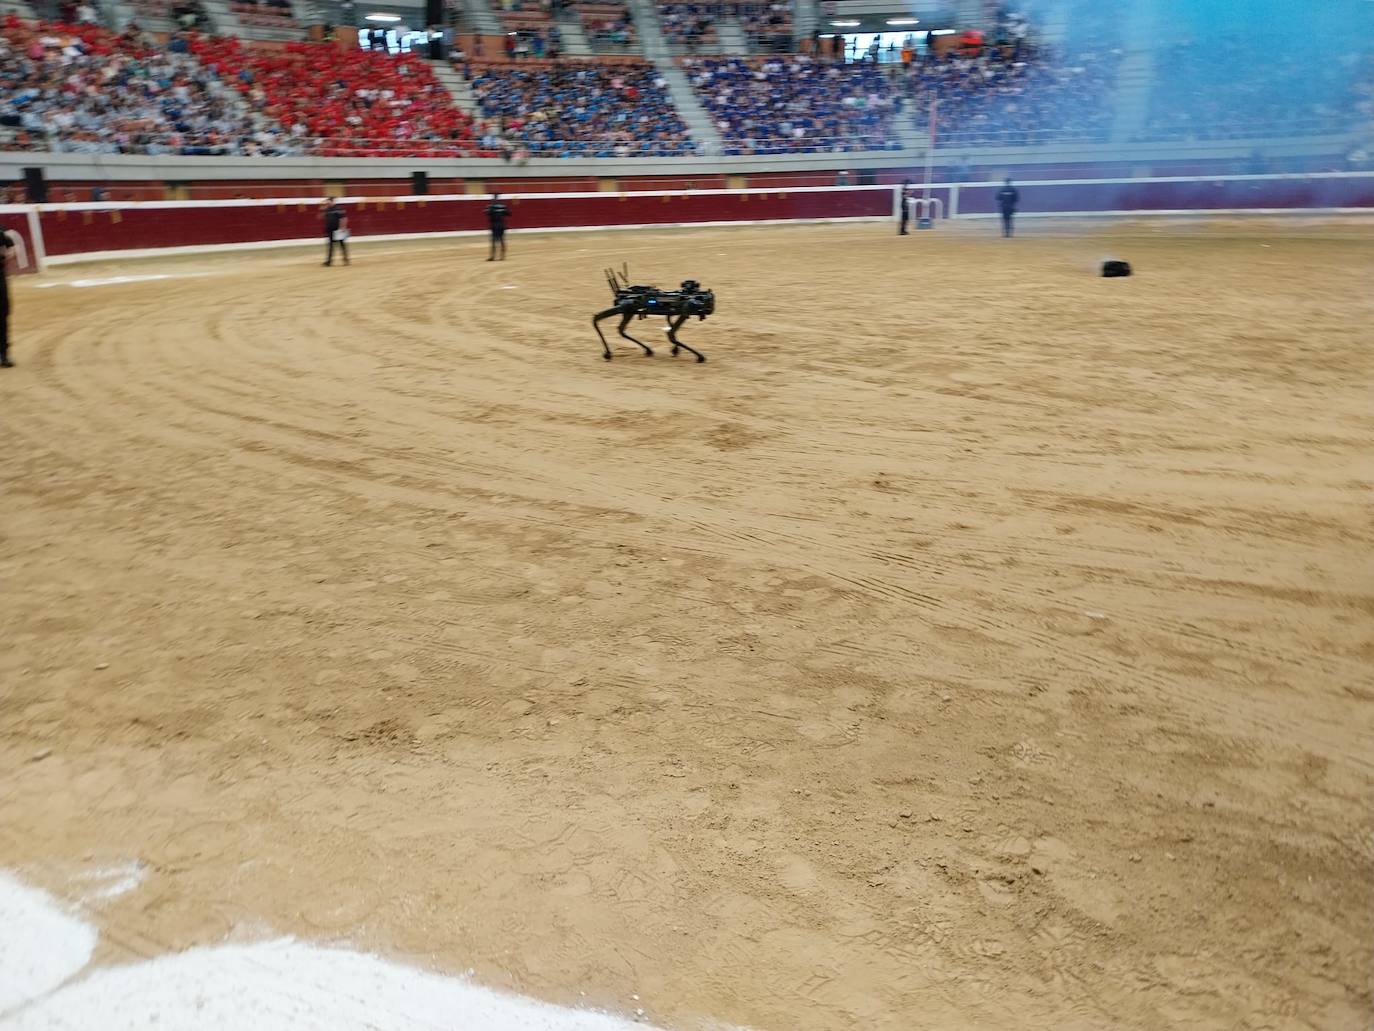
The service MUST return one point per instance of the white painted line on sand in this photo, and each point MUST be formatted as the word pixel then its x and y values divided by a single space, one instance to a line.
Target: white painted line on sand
pixel 110 882
pixel 281 985
pixel 40 945
pixel 120 280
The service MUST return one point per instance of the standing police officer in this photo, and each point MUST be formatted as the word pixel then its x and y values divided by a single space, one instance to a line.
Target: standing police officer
pixel 906 207
pixel 1007 197
pixel 497 213
pixel 335 230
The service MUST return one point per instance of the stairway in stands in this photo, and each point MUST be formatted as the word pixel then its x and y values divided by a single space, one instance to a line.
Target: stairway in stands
pixel 118 13
pixel 1135 78
pixel 698 122
pixel 1134 81
pixel 731 35
pixel 648 29
pixel 656 49
pixel 805 20
pixel 225 21
pixel 914 139
pixel 458 88
pixel 575 42
pixel 481 17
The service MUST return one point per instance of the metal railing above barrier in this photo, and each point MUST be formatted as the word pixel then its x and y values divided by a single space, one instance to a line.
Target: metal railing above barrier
pixel 957 137
pixel 192 145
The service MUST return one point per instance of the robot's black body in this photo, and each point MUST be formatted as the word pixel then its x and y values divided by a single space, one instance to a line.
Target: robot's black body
pixel 677 306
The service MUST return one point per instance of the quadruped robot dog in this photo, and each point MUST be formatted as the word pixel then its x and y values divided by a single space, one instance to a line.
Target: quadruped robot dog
pixel 677 306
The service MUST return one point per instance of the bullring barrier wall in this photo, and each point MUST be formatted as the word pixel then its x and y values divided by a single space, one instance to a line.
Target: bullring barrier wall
pixel 63 233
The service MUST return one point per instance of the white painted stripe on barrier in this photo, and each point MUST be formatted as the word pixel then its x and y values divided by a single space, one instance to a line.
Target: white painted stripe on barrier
pixel 40 256
pixel 16 240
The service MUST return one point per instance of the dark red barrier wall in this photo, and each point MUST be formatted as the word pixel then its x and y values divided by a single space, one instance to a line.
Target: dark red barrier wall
pixel 1194 195
pixel 77 231
pixel 157 225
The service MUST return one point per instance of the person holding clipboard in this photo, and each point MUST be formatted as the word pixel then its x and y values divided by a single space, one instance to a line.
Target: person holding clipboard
pixel 335 230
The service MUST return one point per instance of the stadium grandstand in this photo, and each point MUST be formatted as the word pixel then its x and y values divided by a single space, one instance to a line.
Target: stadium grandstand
pixel 536 80
pixel 579 109
pixel 778 105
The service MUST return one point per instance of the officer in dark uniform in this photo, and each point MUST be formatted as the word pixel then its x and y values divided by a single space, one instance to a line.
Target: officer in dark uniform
pixel 497 214
pixel 7 247
pixel 1007 197
pixel 335 230
pixel 906 207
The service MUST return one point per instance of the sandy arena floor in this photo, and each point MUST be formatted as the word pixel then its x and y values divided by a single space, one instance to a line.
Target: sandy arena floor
pixel 971 643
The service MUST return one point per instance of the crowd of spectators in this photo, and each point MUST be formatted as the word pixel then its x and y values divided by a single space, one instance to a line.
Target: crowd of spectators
pixel 84 13
pixel 689 25
pixel 793 104
pixel 1252 94
pixel 579 109
pixel 190 15
pixel 606 24
pixel 1008 92
pixel 1015 94
pixel 350 103
pixel 82 89
pixel 186 15
pixel 538 44
pixel 532 30
pixel 1360 156
pixel 767 26
pixel 273 14
pixel 1011 27
pixel 75 86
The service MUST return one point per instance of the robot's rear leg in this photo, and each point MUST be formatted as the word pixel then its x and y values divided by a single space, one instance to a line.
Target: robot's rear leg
pixel 625 321
pixel 674 324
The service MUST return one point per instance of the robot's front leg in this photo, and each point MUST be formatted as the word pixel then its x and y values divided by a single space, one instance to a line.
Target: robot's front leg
pixel 625 321
pixel 674 324
pixel 596 325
